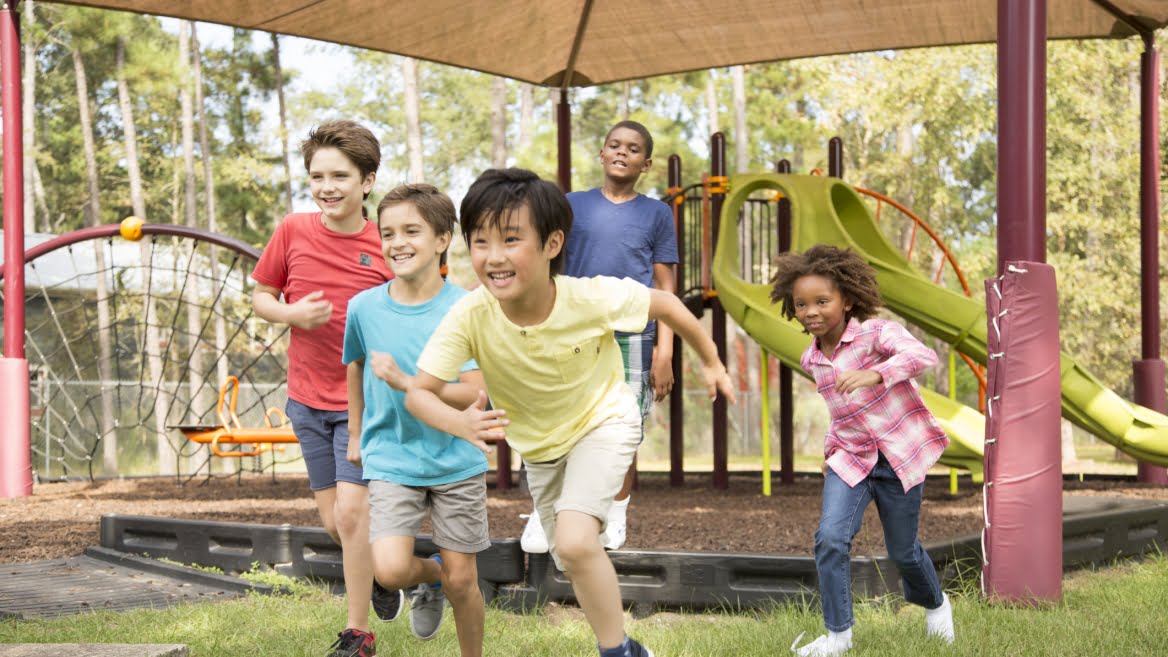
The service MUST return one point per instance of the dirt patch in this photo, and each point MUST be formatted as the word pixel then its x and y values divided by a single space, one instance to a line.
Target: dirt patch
pixel 62 519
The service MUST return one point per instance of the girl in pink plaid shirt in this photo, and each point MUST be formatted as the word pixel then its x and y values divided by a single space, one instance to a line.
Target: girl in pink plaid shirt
pixel 881 440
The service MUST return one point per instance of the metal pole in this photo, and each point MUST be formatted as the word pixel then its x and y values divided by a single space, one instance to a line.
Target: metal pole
pixel 677 393
pixel 15 448
pixel 835 157
pixel 721 477
pixel 564 141
pixel 1148 372
pixel 786 381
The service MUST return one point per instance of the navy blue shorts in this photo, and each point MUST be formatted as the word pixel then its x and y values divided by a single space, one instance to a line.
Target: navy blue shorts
pixel 324 441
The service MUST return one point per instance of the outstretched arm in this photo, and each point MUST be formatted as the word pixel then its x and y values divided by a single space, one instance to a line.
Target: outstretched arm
pixel 472 423
pixel 661 374
pixel 667 308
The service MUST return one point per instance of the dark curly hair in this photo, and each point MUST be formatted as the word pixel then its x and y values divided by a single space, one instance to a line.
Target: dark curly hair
pixel 854 278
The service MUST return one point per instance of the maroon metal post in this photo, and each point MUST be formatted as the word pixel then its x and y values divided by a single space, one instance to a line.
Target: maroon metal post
pixel 786 381
pixel 721 477
pixel 15 449
pixel 1148 372
pixel 564 141
pixel 1021 131
pixel 835 157
pixel 676 393
pixel 1022 238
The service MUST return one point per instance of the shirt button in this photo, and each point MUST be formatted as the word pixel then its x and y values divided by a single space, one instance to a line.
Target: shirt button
pixel 523 333
pixel 577 350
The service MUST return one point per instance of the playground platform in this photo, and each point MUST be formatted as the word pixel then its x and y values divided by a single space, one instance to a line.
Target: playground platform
pixel 92 650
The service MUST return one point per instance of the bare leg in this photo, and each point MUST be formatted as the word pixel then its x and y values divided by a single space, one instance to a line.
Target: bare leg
pixel 460 581
pixel 593 578
pixel 396 567
pixel 352 521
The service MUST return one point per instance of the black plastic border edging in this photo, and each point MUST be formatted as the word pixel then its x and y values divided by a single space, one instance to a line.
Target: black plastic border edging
pixel 178 571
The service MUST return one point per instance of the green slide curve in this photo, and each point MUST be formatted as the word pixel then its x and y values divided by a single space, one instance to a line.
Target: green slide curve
pixel 827 210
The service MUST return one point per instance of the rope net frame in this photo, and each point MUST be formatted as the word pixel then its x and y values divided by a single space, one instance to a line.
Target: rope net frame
pixel 127 340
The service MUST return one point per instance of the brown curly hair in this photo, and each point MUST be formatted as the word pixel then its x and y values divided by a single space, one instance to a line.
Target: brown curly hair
pixel 854 278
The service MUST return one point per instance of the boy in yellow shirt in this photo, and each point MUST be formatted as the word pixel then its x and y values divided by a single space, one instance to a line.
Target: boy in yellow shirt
pixel 544 343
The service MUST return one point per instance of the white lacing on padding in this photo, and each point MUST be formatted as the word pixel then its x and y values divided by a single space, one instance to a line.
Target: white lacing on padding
pixel 999 354
pixel 998 290
pixel 1016 270
pixel 990 441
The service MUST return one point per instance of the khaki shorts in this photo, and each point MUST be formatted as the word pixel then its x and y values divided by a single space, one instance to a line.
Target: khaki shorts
pixel 586 478
pixel 458 512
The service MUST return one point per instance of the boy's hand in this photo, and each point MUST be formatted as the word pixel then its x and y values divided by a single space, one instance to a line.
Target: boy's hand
pixel 483 425
pixel 311 311
pixel 661 376
pixel 854 380
pixel 718 380
pixel 385 368
pixel 353 452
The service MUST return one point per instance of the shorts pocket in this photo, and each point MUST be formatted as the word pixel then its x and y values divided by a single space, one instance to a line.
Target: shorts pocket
pixel 578 361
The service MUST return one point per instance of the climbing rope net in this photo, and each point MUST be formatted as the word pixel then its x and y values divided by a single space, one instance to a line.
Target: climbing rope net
pixel 126 340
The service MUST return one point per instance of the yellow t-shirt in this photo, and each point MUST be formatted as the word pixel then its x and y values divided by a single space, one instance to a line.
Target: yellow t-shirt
pixel 557 380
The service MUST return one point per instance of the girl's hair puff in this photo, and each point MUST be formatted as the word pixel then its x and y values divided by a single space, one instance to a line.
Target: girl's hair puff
pixel 854 278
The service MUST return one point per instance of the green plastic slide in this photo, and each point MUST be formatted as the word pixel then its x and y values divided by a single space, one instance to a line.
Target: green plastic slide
pixel 827 210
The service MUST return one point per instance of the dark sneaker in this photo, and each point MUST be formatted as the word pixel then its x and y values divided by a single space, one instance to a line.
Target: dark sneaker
pixel 637 650
pixel 386 603
pixel 353 643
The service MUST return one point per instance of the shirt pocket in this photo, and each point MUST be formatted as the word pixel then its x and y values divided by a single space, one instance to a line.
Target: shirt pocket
pixel 635 236
pixel 578 361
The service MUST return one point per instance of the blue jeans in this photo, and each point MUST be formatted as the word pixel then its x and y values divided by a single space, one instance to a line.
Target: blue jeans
pixel 843 511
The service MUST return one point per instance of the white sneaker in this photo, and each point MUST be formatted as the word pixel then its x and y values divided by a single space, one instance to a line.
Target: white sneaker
pixel 616 529
pixel 827 645
pixel 533 540
pixel 939 621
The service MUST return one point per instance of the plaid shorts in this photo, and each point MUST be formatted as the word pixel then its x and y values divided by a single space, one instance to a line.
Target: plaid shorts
pixel 637 355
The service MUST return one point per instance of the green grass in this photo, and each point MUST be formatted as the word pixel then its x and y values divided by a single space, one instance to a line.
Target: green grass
pixel 1114 611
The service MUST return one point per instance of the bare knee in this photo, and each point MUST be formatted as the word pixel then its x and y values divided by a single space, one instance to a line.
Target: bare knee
pixel 574 550
pixel 459 583
pixel 392 573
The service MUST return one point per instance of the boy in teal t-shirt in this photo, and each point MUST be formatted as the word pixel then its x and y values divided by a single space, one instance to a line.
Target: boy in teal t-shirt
pixel 411 467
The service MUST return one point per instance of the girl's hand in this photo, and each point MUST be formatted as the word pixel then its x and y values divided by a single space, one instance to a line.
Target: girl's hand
pixel 483 425
pixel 718 380
pixel 854 380
pixel 385 368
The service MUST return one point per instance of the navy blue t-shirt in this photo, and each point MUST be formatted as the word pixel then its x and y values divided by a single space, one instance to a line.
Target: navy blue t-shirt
pixel 619 239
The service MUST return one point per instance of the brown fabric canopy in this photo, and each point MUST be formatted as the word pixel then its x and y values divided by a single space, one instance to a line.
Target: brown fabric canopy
pixel 601 41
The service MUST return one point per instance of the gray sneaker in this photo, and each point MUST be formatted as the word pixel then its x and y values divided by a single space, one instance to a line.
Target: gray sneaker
pixel 427 603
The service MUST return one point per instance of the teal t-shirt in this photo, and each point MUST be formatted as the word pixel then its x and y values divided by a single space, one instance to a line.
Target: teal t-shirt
pixel 395 446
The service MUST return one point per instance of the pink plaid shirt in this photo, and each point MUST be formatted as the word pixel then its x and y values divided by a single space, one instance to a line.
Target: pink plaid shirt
pixel 889 417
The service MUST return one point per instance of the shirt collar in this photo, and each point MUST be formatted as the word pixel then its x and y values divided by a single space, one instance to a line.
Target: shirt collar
pixel 849 335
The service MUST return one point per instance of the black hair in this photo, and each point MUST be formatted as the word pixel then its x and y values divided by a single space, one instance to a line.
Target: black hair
pixel 495 194
pixel 637 128
pixel 852 276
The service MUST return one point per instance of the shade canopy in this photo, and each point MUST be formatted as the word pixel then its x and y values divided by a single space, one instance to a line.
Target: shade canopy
pixel 588 42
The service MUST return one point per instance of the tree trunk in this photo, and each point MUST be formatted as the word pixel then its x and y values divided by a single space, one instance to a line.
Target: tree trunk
pixel 109 438
pixel 413 121
pixel 626 90
pixel 283 124
pixel 526 114
pixel 499 123
pixel 190 216
pixel 711 102
pixel 741 139
pixel 221 372
pixel 29 117
pixel 165 451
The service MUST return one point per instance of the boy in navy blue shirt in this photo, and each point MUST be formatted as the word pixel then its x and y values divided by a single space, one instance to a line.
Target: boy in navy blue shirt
pixel 619 232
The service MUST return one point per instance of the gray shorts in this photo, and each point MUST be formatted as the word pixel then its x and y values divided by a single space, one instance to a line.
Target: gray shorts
pixel 324 441
pixel 458 512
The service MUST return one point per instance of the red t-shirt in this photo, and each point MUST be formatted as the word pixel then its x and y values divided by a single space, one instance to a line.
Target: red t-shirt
pixel 302 257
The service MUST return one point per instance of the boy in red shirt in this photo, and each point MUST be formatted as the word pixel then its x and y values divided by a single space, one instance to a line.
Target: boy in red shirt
pixel 317 261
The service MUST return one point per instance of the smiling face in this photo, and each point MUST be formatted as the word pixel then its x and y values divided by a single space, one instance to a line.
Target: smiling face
pixel 624 155
pixel 411 247
pixel 510 259
pixel 820 308
pixel 337 186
